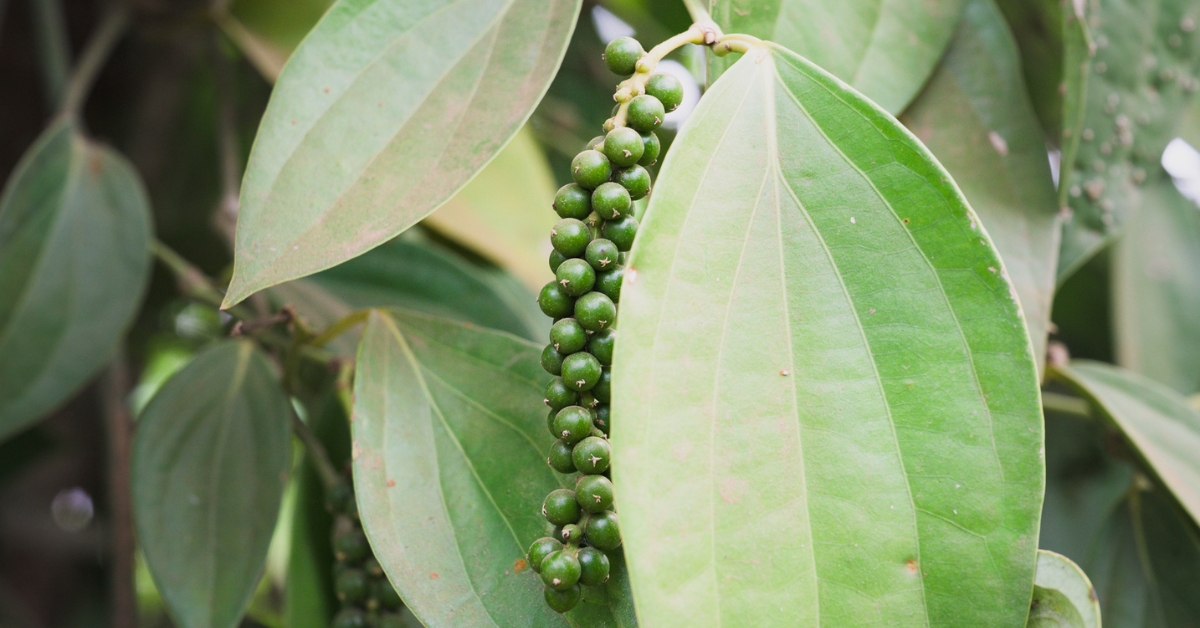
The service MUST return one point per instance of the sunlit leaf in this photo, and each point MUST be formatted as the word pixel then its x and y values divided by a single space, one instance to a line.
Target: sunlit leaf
pixel 886 50
pixel 825 407
pixel 1063 596
pixel 975 117
pixel 74 260
pixel 1156 420
pixel 210 461
pixel 381 115
pixel 449 449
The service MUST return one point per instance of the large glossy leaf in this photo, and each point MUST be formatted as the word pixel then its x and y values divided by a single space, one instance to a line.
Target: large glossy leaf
pixel 210 460
pixel 1063 596
pixel 383 113
pixel 1141 79
pixel 975 117
pixel 74 260
pixel 825 405
pixel 504 214
pixel 1156 290
pixel 886 50
pixel 449 441
pixel 1156 420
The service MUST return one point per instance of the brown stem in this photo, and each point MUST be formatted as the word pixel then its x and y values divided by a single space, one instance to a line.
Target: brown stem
pixel 119 425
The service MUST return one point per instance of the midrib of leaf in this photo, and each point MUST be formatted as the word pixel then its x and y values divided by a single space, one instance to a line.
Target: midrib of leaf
pixel 417 368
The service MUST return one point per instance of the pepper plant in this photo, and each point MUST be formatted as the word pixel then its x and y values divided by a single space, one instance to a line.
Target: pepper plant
pixel 755 313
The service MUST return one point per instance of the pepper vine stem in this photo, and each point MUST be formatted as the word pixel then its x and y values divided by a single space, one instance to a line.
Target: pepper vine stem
pixel 699 33
pixel 99 47
pixel 316 453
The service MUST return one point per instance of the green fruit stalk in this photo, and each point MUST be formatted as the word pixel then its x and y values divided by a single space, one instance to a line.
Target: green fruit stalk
pixel 596 229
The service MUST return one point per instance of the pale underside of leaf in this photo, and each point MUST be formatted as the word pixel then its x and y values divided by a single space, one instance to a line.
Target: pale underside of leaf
pixel 1062 595
pixel 449 442
pixel 368 131
pixel 884 48
pixel 825 406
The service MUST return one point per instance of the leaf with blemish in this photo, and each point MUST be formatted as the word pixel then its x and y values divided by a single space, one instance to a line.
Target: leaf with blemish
pixel 826 411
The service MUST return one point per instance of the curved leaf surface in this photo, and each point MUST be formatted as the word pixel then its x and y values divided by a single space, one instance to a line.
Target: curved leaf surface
pixel 1063 596
pixel 74 260
pixel 210 460
pixel 1156 420
pixel 886 50
pixel 383 113
pixel 825 407
pixel 449 442
pixel 976 118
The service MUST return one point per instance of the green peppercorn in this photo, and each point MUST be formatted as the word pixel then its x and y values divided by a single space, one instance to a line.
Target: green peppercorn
pixel 568 336
pixel 341 498
pixel 594 492
pixel 651 147
pixel 667 89
pixel 601 419
pixel 645 113
pixel 580 371
pixel 601 254
pixel 620 231
pixel 576 277
pixel 603 388
pixel 387 595
pixel 571 534
pixel 556 259
pixel 350 618
pixel 351 546
pixel 560 458
pixel 573 424
pixel 560 570
pixel 623 146
pixel 588 401
pixel 601 345
pixel 611 200
pixel 621 55
pixel 608 283
pixel 593 566
pixel 562 601
pixel 591 168
pixel 572 201
pixel 559 395
pixel 540 549
pixel 353 585
pixel 591 455
pixel 372 568
pixel 552 359
pixel 560 507
pixel 599 139
pixel 554 302
pixel 602 531
pixel 595 311
pixel 570 237
pixel 635 179
pixel 550 423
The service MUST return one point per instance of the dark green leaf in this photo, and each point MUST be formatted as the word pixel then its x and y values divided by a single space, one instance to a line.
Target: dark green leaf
pixel 1141 80
pixel 1157 421
pixel 381 115
pixel 886 50
pixel 74 260
pixel 210 460
pixel 975 117
pixel 1063 596
pixel 449 466
pixel 1037 26
pixel 826 408
pixel 1156 288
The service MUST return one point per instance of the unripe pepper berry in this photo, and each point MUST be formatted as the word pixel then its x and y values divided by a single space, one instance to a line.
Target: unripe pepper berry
pixel 595 311
pixel 611 201
pixel 621 55
pixel 667 89
pixel 576 277
pixel 552 359
pixel 601 254
pixel 651 148
pixel 559 395
pixel 591 168
pixel 603 388
pixel 621 232
pixel 540 549
pixel 560 570
pixel 608 283
pixel 352 586
pixel 567 336
pixel 623 146
pixel 594 493
pixel 562 601
pixel 581 371
pixel 602 344
pixel 602 417
pixel 591 456
pixel 635 179
pixel 349 618
pixel 602 532
pixel 572 201
pixel 573 424
pixel 560 458
pixel 387 595
pixel 556 260
pixel 571 534
pixel 645 113
pixel 570 237
pixel 593 566
pixel 560 507
pixel 554 302
pixel 351 546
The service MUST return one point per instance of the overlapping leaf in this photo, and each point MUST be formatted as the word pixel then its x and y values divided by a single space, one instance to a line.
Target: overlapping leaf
pixel 886 50
pixel 74 260
pixel 826 411
pixel 210 460
pixel 383 113
pixel 1156 420
pixel 1063 596
pixel 449 449
pixel 976 118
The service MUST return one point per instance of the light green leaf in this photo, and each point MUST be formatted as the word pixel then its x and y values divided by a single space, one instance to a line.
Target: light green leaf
pixel 1156 290
pixel 267 31
pixel 976 118
pixel 74 261
pixel 449 441
pixel 886 50
pixel 381 115
pixel 1141 80
pixel 1063 596
pixel 504 214
pixel 1156 420
pixel 825 407
pixel 210 461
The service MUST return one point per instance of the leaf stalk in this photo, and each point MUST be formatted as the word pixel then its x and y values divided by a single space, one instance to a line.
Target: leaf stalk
pixel 98 49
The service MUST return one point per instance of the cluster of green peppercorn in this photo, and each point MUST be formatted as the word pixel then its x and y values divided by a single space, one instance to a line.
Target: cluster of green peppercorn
pixel 367 599
pixel 590 243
